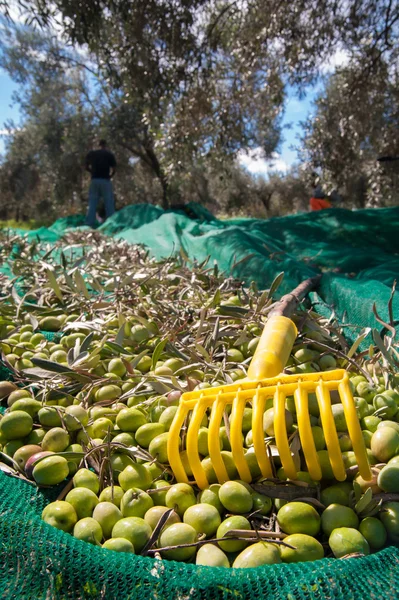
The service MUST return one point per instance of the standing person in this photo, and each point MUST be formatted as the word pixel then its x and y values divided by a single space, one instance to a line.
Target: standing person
pixel 101 164
pixel 318 201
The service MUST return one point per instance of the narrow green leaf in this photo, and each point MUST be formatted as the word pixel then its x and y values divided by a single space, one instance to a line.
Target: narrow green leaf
pixel 63 260
pixel 203 352
pixel 215 300
pixel 49 365
pixel 127 279
pixel 171 348
pixel 120 335
pixel 80 358
pixel 160 388
pixel 70 283
pixel 157 531
pixel 275 284
pixel 364 501
pixel 81 285
pixel 188 368
pixel 15 297
pixel 136 361
pixel 99 346
pixel 70 356
pixel 37 373
pixel 71 455
pixel 358 341
pixel 215 333
pixel 86 342
pixel 157 352
pixel 78 377
pixel 358 491
pixel 11 460
pixel 54 284
pixel 33 321
pixel 96 285
pixel 262 301
pixel 77 264
pixel 381 346
pixel 237 312
pixel 115 347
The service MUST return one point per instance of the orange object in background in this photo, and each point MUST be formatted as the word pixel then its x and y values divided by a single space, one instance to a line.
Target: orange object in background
pixel 319 203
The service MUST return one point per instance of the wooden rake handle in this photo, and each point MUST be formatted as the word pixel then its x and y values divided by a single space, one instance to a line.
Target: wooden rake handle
pixel 288 303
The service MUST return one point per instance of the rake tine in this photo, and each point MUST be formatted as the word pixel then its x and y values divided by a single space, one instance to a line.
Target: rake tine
pixel 280 433
pixel 330 432
pixel 236 441
pixel 192 442
pixel 173 444
pixel 354 429
pixel 305 432
pixel 262 457
pixel 213 439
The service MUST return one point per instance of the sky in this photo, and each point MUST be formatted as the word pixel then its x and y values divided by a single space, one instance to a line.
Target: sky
pixel 7 87
pixel 296 111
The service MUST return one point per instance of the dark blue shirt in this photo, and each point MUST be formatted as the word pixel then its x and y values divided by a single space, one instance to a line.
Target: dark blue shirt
pixel 100 161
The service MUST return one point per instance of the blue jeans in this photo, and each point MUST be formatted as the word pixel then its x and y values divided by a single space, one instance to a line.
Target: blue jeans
pixel 100 188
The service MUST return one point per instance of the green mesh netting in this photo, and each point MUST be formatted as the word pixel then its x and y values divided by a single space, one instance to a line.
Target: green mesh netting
pixel 357 251
pixel 40 562
pixel 5 374
pixel 358 254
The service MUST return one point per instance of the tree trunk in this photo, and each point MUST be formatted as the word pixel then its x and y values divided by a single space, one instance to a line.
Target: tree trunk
pixel 266 201
pixel 149 157
pixel 159 172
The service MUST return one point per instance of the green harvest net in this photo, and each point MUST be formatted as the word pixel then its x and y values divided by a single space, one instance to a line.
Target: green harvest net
pixel 358 254
pixel 38 561
pixel 357 251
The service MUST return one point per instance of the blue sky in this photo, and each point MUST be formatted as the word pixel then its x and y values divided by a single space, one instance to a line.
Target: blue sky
pixel 7 87
pixel 296 111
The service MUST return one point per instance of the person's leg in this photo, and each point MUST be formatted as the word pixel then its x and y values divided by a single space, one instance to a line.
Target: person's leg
pixel 108 196
pixel 93 200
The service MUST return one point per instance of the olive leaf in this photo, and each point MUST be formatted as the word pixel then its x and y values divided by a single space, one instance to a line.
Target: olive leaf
pixel 54 284
pixel 358 341
pixel 80 284
pixel 157 530
pixel 49 365
pixel 277 281
pixel 384 351
pixel 138 358
pixel 120 336
pixel 157 352
pixel 86 342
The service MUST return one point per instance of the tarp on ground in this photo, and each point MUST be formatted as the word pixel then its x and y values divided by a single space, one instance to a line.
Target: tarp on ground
pixel 357 251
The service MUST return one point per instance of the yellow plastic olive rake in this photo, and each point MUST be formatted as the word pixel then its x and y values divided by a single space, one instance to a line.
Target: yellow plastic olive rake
pixel 266 380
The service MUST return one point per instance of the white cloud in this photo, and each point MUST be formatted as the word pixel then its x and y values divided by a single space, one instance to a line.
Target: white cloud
pixel 16 13
pixel 254 162
pixel 6 132
pixel 20 16
pixel 340 58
